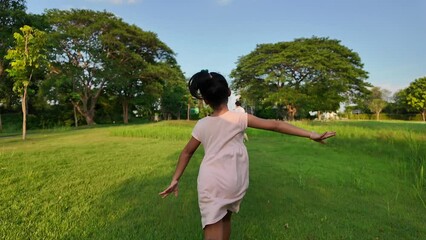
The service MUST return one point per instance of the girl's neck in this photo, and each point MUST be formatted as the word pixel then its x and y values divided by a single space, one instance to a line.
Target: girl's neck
pixel 220 110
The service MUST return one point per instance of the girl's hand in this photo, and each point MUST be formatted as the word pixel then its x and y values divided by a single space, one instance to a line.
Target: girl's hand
pixel 321 137
pixel 173 188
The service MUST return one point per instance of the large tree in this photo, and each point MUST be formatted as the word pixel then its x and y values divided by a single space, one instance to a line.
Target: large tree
pixel 311 73
pixel 416 96
pixel 12 18
pixel 78 57
pixel 174 99
pixel 26 58
pixel 139 65
pixel 96 53
pixel 11 12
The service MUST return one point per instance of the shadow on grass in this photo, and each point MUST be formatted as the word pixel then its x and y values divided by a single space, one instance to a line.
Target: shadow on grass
pixel 134 210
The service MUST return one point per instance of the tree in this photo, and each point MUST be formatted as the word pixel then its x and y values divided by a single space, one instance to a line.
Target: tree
pixel 317 73
pixel 139 65
pixel 26 57
pixel 11 12
pixel 10 21
pixel 376 102
pixel 416 96
pixel 398 104
pixel 12 18
pixel 78 58
pixel 1 123
pixel 175 98
pixel 95 53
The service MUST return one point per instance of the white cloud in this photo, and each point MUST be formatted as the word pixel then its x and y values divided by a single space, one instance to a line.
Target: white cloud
pixel 116 2
pixel 223 2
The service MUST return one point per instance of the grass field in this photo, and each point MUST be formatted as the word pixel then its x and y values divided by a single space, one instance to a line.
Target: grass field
pixel 103 183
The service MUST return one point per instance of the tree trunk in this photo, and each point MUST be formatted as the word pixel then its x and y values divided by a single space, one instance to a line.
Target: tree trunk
pixel 423 115
pixel 377 116
pixel 24 113
pixel 125 105
pixel 188 111
pixel 87 113
pixel 319 115
pixel 75 116
pixel 291 112
pixel 1 124
pixel 1 68
pixel 89 119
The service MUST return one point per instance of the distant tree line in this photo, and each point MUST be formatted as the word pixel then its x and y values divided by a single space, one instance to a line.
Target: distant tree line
pixel 82 66
pixel 73 67
pixel 287 80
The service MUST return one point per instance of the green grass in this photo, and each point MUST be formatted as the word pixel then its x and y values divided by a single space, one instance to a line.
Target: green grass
pixel 103 183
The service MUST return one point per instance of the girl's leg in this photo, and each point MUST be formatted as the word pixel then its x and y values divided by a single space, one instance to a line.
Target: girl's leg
pixel 227 226
pixel 214 231
pixel 220 230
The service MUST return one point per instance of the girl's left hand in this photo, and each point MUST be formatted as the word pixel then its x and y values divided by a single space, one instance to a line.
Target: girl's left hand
pixel 321 137
pixel 173 188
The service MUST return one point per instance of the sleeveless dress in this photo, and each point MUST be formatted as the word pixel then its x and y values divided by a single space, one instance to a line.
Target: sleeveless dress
pixel 223 174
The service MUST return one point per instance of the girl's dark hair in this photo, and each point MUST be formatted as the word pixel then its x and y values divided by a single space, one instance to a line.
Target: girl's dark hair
pixel 212 87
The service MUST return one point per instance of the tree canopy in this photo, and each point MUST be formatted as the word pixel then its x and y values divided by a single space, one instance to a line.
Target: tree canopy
pixel 416 95
pixel 101 68
pixel 376 102
pixel 96 52
pixel 26 57
pixel 307 73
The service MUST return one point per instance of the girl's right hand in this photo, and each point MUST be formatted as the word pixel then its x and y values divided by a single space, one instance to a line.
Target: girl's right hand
pixel 172 188
pixel 321 137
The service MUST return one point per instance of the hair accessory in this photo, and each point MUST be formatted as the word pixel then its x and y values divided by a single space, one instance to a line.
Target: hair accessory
pixel 207 71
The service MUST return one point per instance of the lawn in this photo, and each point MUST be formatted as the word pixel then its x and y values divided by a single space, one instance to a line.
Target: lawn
pixel 103 183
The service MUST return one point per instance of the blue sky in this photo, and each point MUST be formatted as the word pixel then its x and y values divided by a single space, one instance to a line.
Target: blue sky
pixel 389 35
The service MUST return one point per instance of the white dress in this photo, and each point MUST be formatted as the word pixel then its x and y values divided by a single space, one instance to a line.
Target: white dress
pixel 239 109
pixel 223 175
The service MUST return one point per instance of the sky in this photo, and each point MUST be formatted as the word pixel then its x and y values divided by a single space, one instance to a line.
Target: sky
pixel 388 35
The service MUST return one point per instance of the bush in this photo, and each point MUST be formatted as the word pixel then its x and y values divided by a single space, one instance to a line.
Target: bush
pixel 383 116
pixel 11 122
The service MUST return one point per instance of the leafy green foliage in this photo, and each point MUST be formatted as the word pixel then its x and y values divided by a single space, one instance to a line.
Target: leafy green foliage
pixel 376 101
pixel 77 56
pixel 416 95
pixel 96 53
pixel 11 12
pixel 139 65
pixel 312 73
pixel 175 97
pixel 26 58
pixel 12 18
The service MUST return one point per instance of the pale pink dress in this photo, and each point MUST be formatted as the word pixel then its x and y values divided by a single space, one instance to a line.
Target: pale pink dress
pixel 223 174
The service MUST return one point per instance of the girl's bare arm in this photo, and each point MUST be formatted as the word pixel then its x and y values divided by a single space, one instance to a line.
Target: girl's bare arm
pixel 183 161
pixel 286 128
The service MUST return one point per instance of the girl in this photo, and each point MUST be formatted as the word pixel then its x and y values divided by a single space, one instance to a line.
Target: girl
pixel 223 174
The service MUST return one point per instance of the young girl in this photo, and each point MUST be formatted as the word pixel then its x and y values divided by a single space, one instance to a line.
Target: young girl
pixel 223 174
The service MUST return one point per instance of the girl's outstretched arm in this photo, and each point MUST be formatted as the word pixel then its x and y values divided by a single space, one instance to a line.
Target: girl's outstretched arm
pixel 286 128
pixel 184 158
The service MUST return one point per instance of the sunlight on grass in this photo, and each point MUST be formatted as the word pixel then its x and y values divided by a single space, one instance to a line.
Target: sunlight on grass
pixel 103 183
